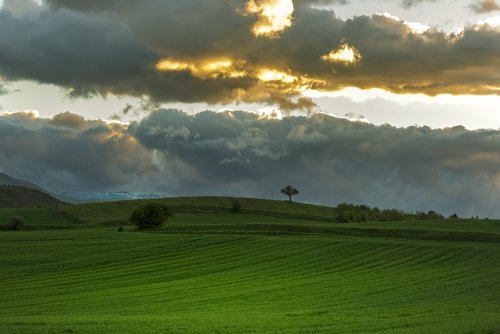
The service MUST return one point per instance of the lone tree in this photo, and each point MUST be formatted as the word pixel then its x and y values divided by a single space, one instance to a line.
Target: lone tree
pixel 236 206
pixel 289 191
pixel 150 215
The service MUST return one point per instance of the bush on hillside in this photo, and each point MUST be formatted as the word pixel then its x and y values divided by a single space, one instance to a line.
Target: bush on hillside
pixel 15 223
pixel 150 215
pixel 236 206
pixel 352 213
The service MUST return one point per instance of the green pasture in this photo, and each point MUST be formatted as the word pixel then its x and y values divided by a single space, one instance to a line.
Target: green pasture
pixel 265 270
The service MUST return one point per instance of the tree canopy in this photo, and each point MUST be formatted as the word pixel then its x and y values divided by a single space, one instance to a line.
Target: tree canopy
pixel 150 215
pixel 289 191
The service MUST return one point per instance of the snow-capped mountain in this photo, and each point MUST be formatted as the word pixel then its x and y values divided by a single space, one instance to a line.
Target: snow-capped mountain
pixel 104 196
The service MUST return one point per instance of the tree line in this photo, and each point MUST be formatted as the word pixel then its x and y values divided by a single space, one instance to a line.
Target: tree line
pixel 353 213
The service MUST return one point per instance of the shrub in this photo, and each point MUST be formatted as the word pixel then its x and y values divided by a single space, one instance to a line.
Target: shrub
pixel 236 207
pixel 15 223
pixel 149 215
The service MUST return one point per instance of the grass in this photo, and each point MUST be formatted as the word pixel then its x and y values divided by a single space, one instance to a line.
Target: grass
pixel 37 218
pixel 269 270
pixel 120 211
pixel 88 281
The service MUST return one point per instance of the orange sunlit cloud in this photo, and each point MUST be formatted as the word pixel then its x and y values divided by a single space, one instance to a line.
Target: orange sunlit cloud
pixel 207 68
pixel 274 16
pixel 227 68
pixel 268 75
pixel 345 54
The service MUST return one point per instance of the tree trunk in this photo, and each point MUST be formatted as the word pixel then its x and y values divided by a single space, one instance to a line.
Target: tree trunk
pixel 289 198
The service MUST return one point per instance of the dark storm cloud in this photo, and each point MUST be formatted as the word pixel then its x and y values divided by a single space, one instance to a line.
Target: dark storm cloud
pixel 68 153
pixel 331 160
pixel 86 54
pixel 485 6
pixel 95 54
pixel 236 153
pixel 98 47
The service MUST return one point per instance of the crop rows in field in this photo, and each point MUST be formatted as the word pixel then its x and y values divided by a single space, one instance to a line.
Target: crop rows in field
pixel 105 281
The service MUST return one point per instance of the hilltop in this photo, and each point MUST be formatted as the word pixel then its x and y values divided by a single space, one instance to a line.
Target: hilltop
pixel 13 196
pixel 11 181
pixel 214 215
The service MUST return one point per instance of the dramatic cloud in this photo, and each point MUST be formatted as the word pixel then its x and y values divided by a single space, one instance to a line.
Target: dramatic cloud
pixel 485 6
pixel 68 120
pixel 69 153
pixel 224 51
pixel 330 160
pixel 274 16
pixel 344 54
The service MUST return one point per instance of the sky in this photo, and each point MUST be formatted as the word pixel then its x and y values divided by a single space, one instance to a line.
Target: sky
pixel 390 103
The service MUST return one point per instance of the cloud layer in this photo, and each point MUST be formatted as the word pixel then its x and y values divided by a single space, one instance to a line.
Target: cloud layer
pixel 68 152
pixel 330 160
pixel 205 51
pixel 485 6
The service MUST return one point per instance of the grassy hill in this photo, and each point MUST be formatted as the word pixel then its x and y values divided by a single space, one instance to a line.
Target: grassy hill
pixel 23 197
pixel 117 213
pixel 11 181
pixel 120 211
pixel 274 267
pixel 257 216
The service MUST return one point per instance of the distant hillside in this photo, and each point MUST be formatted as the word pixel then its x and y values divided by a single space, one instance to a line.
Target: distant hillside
pixel 24 197
pixel 11 181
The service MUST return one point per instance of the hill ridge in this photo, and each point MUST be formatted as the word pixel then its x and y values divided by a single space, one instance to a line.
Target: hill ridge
pixel 12 181
pixel 14 196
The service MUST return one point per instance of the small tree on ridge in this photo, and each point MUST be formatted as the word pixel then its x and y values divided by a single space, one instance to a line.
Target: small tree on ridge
pixel 290 191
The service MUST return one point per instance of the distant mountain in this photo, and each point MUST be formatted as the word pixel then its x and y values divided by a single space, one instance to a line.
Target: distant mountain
pixel 9 180
pixel 12 196
pixel 69 197
pixel 103 196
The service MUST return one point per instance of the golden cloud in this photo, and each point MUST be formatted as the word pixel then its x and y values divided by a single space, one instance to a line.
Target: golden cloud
pixel 205 68
pixel 212 56
pixel 345 54
pixel 274 16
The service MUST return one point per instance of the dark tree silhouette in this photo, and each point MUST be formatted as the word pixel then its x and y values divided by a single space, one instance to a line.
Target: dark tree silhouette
pixel 15 223
pixel 236 206
pixel 149 215
pixel 289 191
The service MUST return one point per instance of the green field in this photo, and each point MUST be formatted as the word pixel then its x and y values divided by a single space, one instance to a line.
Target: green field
pixel 276 267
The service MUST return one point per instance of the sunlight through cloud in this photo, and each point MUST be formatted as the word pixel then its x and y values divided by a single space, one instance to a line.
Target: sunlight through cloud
pixel 345 54
pixel 275 75
pixel 274 16
pixel 206 68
